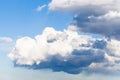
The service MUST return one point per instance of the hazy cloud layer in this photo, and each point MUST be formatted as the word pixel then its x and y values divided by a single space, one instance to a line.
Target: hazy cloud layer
pixel 6 39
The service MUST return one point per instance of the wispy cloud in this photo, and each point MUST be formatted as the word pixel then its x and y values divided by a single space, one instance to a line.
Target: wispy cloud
pixel 39 8
pixel 6 44
pixel 6 39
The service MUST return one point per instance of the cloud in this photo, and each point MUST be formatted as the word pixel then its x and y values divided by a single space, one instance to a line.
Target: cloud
pixel 84 5
pixel 39 8
pixel 107 25
pixel 66 51
pixel 50 43
pixel 6 44
pixel 6 39
pixel 91 16
pixel 112 57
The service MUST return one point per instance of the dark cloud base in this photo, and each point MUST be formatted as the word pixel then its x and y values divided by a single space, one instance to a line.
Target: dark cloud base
pixel 74 64
pixel 106 27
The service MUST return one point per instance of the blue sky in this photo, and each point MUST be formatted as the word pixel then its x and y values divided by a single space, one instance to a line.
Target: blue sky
pixel 76 40
pixel 20 18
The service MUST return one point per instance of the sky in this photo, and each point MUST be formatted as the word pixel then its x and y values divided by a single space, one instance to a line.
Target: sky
pixel 59 40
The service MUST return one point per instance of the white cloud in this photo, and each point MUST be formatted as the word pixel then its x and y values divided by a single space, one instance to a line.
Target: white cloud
pixel 6 39
pixel 68 5
pixel 39 8
pixel 114 48
pixel 110 15
pixel 73 28
pixel 29 51
pixel 73 49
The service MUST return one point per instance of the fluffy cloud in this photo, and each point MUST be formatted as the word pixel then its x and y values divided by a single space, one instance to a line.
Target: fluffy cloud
pixel 85 5
pixel 66 51
pixel 92 16
pixel 50 43
pixel 112 59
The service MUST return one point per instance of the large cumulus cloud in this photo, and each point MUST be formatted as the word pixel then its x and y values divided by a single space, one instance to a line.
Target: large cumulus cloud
pixel 66 51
